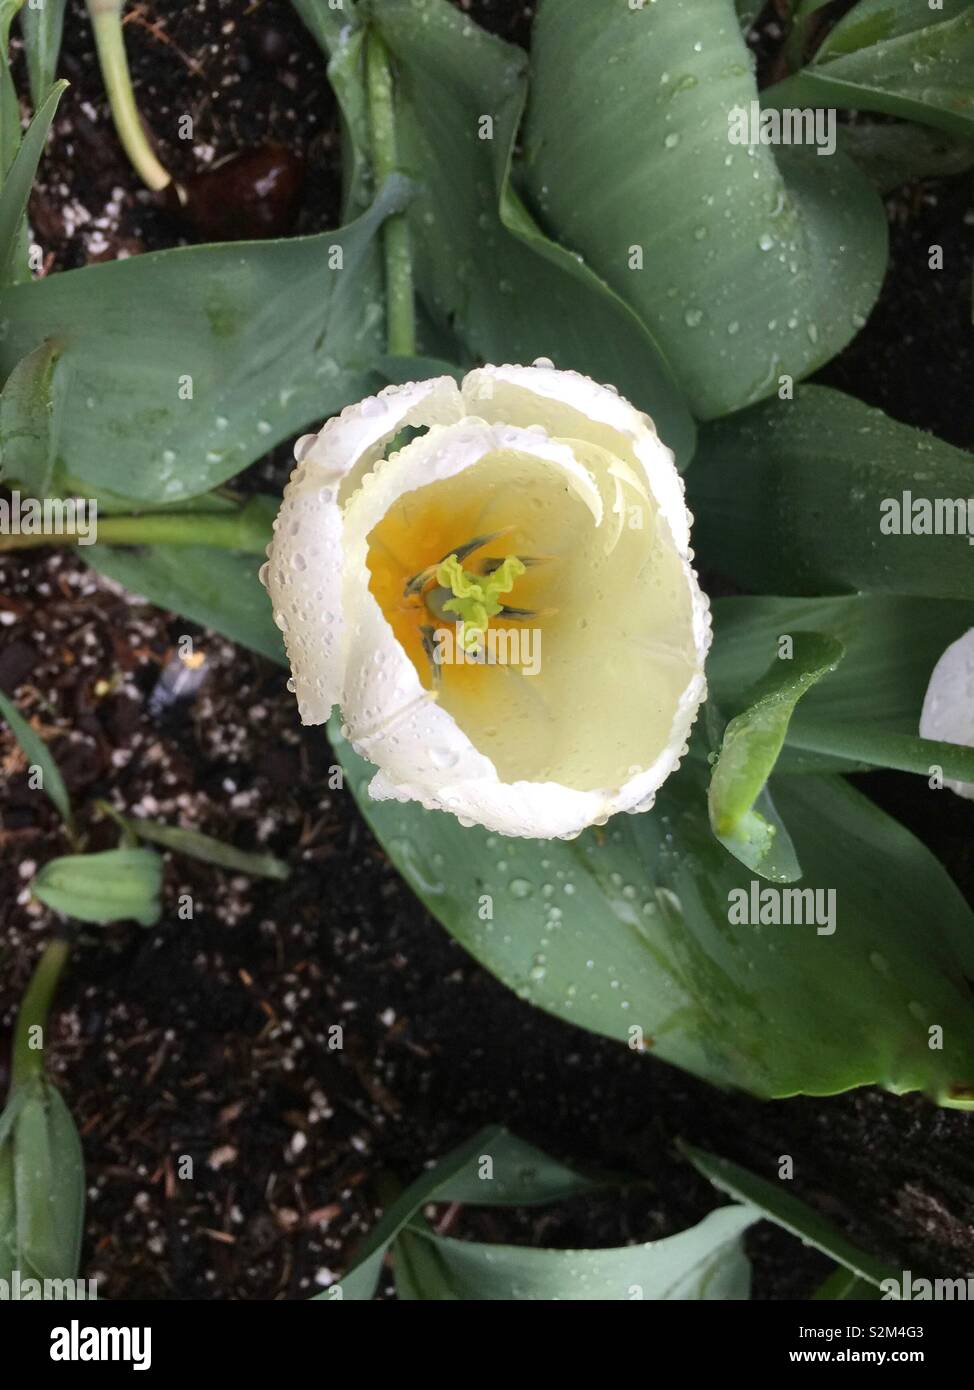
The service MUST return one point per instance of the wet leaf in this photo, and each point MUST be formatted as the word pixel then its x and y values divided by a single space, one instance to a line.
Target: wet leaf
pixel 627 931
pixel 891 647
pixel 484 270
pixel 749 750
pixel 491 1168
pixel 872 748
pixel 187 365
pixel 706 1262
pixel 892 153
pixel 217 588
pixel 755 262
pixel 834 484
pixel 896 57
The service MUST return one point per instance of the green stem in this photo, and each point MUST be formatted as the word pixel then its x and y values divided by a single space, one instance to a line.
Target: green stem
pixel 28 1062
pixel 247 529
pixel 106 21
pixel 400 307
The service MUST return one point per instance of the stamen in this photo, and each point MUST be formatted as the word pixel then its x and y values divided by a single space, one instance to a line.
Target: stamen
pixel 429 648
pixel 519 613
pixel 493 562
pixel 418 581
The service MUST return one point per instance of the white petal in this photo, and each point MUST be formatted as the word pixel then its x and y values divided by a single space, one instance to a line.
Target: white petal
pixel 948 706
pixel 534 810
pixel 349 445
pixel 391 719
pixel 569 404
pixel 447 450
pixel 303 573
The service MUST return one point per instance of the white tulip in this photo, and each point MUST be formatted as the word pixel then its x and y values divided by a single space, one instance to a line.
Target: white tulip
pixel 504 607
pixel 948 706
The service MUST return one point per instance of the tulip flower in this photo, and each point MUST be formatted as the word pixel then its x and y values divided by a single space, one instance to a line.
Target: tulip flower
pixel 502 603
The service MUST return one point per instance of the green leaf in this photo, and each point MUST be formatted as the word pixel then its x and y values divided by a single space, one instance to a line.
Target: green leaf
pixel 892 645
pixel 30 419
pixel 872 23
pixel 325 22
pixel 483 268
pixel 199 846
pixel 893 153
pixel 824 477
pixel 38 755
pixel 751 744
pixel 42 1185
pixel 420 1273
pixel 789 1212
pixel 216 588
pixel 705 1262
pixel 906 752
pixel 17 182
pixel 397 370
pixel 756 263
pixel 628 928
pixel 266 335
pixel 114 886
pixel 10 132
pixel 42 28
pixel 843 1286
pixel 897 57
pixel 671 414
pixel 760 840
pixel 518 1174
pixel 747 13
pixel 803 25
pixel 341 37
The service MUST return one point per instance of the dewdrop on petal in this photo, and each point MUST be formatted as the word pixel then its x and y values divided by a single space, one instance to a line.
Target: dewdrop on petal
pixel 504 607
pixel 948 706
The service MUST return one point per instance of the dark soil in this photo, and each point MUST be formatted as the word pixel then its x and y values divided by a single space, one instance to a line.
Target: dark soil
pixel 209 1037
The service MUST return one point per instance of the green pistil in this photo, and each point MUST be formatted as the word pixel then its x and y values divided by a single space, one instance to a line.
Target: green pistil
pixel 476 596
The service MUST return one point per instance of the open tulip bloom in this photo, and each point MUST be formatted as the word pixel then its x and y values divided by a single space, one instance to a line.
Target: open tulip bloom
pixel 503 606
